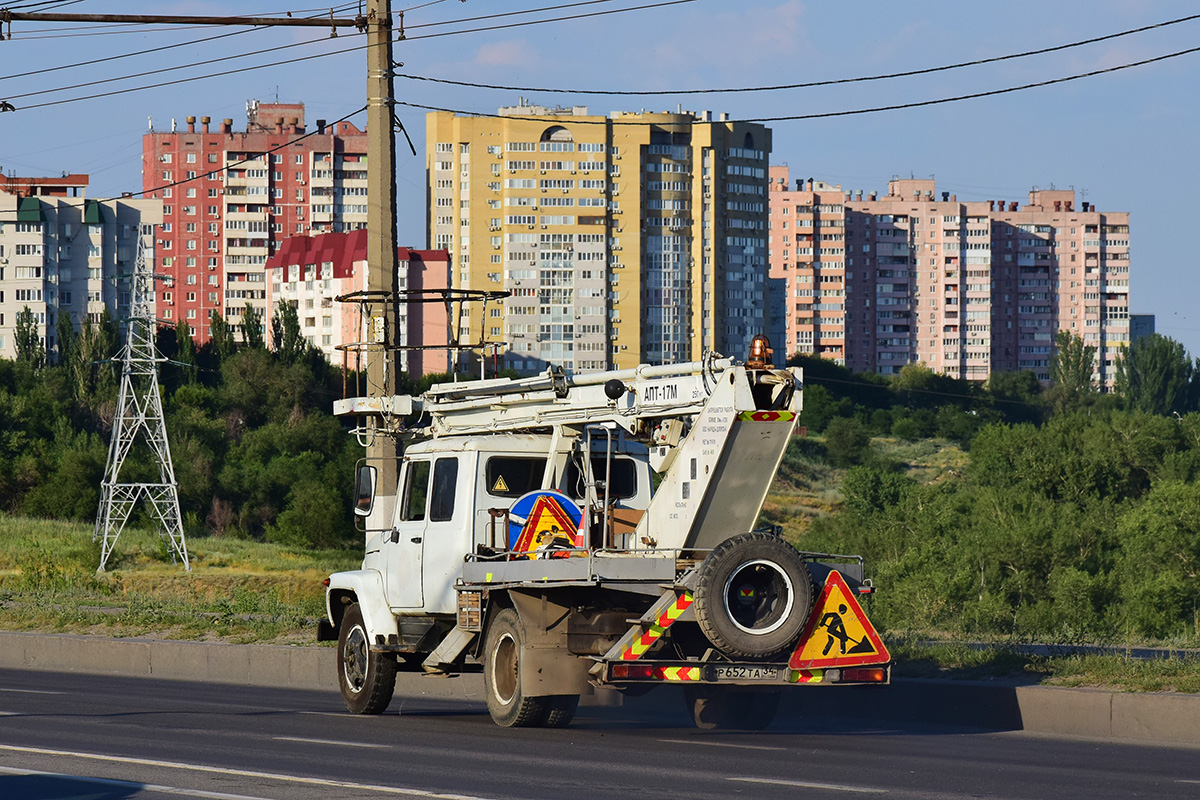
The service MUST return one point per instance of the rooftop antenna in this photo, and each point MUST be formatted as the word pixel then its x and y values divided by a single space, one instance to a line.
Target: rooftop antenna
pixel 139 411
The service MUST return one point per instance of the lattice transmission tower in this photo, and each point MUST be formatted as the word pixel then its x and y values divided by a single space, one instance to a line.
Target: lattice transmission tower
pixel 140 412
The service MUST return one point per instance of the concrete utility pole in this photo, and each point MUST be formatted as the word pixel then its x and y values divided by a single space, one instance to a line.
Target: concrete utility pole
pixel 382 369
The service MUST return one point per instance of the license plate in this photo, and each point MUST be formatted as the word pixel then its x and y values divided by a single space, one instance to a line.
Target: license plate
pixel 748 673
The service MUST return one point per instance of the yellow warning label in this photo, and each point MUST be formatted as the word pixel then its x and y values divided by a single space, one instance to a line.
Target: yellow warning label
pixel 838 633
pixel 499 486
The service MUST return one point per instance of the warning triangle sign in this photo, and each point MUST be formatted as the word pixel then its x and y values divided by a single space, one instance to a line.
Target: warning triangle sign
pixel 499 487
pixel 838 633
pixel 548 526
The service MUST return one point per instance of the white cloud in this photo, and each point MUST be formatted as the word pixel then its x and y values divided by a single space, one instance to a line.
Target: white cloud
pixel 508 53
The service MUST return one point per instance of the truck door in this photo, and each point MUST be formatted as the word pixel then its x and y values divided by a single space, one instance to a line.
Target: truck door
pixel 405 546
pixel 447 534
pixel 427 543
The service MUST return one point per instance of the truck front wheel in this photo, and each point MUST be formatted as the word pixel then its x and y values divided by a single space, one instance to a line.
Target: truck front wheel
pixel 506 701
pixel 366 679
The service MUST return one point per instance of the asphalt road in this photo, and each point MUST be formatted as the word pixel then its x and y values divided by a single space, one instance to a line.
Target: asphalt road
pixel 110 738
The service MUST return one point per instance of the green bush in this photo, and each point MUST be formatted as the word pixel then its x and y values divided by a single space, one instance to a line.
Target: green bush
pixel 846 442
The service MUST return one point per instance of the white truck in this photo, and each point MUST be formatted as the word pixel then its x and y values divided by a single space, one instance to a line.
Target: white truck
pixel 575 532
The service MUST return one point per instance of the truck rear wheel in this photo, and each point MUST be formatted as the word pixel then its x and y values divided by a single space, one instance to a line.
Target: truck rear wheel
pixel 562 710
pixel 506 702
pixel 729 708
pixel 753 596
pixel 366 679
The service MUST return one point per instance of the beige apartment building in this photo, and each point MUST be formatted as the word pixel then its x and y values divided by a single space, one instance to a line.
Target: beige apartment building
pixel 64 253
pixel 636 237
pixel 965 288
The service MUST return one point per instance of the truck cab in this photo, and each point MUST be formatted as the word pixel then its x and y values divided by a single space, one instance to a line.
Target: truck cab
pixel 453 496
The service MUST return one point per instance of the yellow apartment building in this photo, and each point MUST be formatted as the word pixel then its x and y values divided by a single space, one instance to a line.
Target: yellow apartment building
pixel 629 238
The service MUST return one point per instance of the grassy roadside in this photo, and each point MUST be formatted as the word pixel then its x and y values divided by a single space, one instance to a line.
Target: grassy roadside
pixel 921 659
pixel 237 590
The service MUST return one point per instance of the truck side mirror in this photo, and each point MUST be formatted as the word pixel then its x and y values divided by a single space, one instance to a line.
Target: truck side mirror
pixel 364 489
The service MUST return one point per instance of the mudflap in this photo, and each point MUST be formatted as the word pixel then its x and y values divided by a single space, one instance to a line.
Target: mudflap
pixel 547 666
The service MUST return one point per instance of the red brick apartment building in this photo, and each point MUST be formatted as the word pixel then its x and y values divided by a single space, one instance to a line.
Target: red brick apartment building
pixel 230 197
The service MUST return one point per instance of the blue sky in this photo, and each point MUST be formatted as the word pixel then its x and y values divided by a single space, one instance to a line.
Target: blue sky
pixel 1127 138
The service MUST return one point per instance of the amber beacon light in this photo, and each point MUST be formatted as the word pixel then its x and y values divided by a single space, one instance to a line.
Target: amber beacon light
pixel 760 353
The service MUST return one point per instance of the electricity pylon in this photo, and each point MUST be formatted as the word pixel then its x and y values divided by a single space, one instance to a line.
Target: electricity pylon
pixel 139 411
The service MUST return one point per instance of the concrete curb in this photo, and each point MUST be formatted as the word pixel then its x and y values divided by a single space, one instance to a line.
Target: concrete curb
pixel 1162 718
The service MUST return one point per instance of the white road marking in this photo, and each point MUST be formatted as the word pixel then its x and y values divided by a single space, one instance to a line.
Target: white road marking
pixel 10 713
pixel 30 691
pixel 832 787
pixel 241 773
pixel 132 785
pixel 331 742
pixel 721 744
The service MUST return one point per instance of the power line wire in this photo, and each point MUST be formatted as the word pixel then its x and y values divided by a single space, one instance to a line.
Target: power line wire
pixel 169 69
pixel 227 167
pixel 102 28
pixel 423 5
pixel 829 114
pixel 552 19
pixel 501 14
pixel 118 56
pixel 897 389
pixel 311 57
pixel 193 78
pixel 809 84
pixel 19 6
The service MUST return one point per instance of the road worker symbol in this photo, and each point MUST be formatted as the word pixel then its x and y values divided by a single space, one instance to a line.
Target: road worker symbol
pixel 838 633
pixel 836 629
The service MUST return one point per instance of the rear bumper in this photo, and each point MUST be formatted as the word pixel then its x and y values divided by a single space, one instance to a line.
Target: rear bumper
pixel 737 674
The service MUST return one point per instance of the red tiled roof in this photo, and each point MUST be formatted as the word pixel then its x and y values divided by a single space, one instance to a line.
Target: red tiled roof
pixel 342 249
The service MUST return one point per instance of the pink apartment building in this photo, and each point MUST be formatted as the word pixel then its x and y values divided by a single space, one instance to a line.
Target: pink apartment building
pixel 963 287
pixel 310 272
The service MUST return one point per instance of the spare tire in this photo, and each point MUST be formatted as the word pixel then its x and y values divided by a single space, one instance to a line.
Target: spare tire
pixel 753 596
